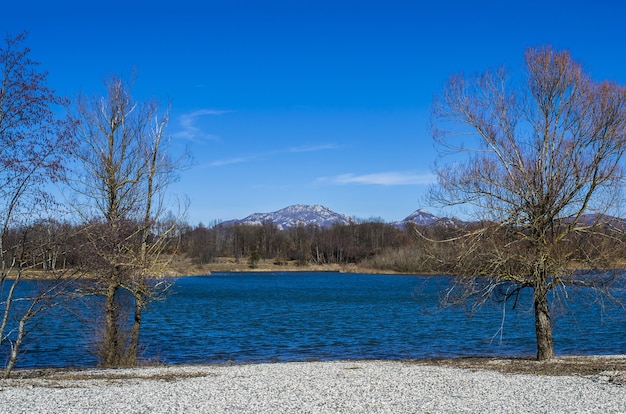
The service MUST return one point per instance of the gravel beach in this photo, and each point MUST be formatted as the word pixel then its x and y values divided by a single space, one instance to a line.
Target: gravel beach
pixel 311 387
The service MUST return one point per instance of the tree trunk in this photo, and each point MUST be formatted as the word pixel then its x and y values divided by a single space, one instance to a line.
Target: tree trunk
pixel 543 325
pixel 110 346
pixel 8 301
pixel 15 348
pixel 134 340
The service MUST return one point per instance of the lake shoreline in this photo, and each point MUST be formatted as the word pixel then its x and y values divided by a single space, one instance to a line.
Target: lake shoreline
pixel 558 366
pixel 185 267
pixel 322 387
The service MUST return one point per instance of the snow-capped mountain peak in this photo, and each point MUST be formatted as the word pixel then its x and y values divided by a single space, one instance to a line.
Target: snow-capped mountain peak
pixel 318 215
pixel 298 214
pixel 422 217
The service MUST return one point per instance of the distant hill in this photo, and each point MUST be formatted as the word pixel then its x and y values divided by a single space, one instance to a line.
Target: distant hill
pixel 423 217
pixel 297 214
pixel 324 217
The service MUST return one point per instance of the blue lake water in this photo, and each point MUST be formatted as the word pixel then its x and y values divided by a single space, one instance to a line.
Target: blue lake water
pixel 265 317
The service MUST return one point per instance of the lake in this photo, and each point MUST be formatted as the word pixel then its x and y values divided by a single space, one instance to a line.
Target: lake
pixel 267 317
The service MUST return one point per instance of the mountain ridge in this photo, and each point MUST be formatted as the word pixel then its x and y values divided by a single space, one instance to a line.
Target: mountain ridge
pixel 316 214
pixel 296 214
pixel 322 216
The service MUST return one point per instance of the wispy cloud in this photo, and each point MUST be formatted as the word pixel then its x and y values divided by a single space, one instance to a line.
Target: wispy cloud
pixel 188 124
pixel 390 178
pixel 313 148
pixel 235 160
pixel 269 154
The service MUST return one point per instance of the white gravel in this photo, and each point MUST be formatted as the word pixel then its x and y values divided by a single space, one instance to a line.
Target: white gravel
pixel 310 387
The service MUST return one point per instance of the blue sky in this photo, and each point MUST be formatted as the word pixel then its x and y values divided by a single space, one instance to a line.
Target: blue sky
pixel 305 102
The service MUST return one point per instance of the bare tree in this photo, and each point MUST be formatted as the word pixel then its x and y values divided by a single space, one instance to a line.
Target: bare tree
pixel 33 144
pixel 540 160
pixel 120 193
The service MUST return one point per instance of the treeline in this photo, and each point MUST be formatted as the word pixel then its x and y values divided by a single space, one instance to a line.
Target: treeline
pixel 410 248
pixel 53 245
pixel 305 244
pixel 439 248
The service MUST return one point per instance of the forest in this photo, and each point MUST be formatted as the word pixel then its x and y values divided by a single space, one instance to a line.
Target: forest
pixel 368 245
pixel 56 246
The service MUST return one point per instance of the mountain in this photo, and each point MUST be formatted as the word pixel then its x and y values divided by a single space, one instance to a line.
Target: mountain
pixel 423 217
pixel 324 217
pixel 297 214
pixel 603 220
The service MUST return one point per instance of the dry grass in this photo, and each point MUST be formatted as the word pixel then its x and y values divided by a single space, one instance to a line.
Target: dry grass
pixel 182 266
pixel 613 367
pixel 185 267
pixel 62 378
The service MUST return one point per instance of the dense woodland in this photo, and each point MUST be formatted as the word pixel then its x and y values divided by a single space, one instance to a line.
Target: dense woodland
pixel 54 246
pixel 410 248
pixel 50 245
pixel 305 244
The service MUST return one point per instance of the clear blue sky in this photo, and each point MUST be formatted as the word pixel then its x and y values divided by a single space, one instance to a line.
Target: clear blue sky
pixel 305 102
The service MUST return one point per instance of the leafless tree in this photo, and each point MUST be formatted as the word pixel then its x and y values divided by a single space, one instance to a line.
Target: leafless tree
pixel 120 187
pixel 33 144
pixel 540 159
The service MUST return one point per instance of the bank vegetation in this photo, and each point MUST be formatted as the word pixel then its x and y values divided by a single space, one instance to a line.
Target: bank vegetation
pixel 369 246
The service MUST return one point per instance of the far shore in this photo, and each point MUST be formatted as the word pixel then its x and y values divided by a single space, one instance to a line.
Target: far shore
pixel 185 267
pixel 182 267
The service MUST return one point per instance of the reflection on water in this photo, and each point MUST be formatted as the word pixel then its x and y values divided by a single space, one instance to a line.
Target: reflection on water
pixel 261 317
